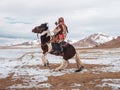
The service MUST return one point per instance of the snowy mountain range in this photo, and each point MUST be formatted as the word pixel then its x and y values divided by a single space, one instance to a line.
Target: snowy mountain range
pixel 29 43
pixel 89 41
pixel 93 40
pixel 110 44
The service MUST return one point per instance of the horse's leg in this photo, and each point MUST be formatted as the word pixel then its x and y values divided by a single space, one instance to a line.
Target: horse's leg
pixel 66 64
pixel 63 65
pixel 78 62
pixel 44 60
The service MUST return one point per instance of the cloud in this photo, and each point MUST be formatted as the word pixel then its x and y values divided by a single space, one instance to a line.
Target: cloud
pixel 83 17
pixel 15 21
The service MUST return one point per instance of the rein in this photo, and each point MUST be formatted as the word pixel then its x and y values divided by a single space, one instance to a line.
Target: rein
pixel 38 38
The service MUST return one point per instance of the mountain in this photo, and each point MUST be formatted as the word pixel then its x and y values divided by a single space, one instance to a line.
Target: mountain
pixel 93 40
pixel 5 41
pixel 115 43
pixel 28 43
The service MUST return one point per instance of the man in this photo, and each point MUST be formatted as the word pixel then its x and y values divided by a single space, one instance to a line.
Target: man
pixel 60 33
pixel 61 29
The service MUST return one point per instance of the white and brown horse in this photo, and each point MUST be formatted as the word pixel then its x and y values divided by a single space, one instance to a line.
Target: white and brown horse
pixel 46 45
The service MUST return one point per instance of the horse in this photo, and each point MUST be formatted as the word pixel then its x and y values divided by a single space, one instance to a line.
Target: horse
pixel 46 46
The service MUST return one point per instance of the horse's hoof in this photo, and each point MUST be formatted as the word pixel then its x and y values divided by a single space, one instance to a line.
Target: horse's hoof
pixel 77 70
pixel 80 69
pixel 47 64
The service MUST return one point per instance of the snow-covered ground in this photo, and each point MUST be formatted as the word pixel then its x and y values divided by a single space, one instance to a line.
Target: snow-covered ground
pixel 109 57
pixel 24 63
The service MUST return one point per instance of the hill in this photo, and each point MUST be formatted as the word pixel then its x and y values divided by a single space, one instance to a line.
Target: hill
pixel 115 43
pixel 93 40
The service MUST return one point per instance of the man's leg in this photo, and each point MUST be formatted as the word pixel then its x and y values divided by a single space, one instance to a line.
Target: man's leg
pixel 61 46
pixel 55 48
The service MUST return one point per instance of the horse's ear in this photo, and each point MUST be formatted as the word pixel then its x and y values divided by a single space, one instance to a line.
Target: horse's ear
pixel 46 23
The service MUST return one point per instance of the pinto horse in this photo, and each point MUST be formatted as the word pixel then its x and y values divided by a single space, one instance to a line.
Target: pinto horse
pixel 46 45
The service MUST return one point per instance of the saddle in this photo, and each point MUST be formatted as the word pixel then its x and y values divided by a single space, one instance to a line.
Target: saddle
pixel 58 48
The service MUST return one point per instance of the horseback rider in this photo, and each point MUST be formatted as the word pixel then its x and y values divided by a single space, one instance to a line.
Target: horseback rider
pixel 60 33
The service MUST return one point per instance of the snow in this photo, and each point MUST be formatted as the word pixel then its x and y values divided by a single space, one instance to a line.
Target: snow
pixel 76 85
pixel 34 42
pixel 24 63
pixel 113 83
pixel 109 57
pixel 101 38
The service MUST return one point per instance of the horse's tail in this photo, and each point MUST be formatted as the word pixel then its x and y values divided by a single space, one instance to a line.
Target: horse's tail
pixel 78 62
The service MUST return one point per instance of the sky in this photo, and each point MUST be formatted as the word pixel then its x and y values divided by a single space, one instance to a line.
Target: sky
pixel 83 17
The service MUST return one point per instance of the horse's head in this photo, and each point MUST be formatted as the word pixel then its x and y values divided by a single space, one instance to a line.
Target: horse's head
pixel 39 29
